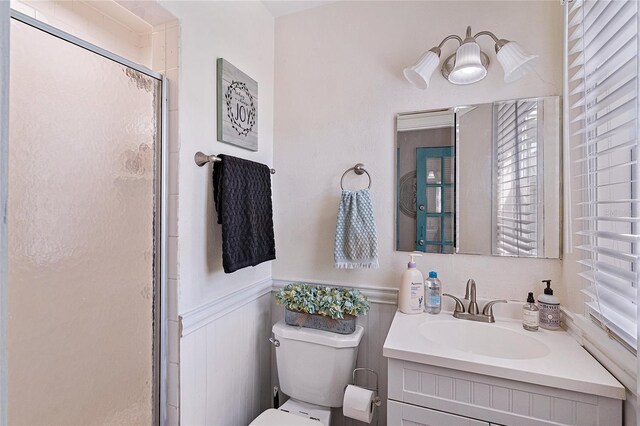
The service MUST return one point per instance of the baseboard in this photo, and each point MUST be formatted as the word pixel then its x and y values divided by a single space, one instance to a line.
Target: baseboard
pixel 209 312
pixel 384 295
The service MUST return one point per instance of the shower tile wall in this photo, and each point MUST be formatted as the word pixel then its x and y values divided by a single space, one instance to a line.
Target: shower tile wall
pixel 165 60
pixel 105 24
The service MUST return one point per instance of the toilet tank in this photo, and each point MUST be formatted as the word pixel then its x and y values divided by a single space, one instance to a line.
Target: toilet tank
pixel 315 366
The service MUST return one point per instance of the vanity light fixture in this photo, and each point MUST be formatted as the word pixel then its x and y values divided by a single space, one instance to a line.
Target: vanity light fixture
pixel 469 64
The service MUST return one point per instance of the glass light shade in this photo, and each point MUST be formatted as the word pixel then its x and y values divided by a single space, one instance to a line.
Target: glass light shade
pixel 468 67
pixel 420 73
pixel 515 61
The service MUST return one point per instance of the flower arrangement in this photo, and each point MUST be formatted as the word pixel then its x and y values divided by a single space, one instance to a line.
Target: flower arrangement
pixel 333 302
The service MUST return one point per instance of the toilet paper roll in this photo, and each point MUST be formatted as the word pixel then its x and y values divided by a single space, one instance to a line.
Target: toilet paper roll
pixel 358 403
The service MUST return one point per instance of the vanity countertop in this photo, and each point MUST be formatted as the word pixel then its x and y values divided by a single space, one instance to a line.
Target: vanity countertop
pixel 555 360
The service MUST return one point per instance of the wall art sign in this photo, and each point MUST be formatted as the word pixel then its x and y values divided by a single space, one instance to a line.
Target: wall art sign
pixel 237 107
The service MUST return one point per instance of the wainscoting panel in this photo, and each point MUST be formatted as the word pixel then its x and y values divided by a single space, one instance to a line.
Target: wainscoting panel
pixel 228 366
pixel 376 326
pixel 225 362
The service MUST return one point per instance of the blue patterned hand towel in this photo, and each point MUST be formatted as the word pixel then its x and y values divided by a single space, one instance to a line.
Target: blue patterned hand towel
pixel 356 236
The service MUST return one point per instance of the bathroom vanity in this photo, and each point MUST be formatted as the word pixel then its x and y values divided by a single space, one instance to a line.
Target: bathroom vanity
pixel 444 370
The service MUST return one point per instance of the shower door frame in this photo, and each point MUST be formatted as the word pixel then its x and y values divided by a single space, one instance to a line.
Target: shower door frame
pixel 4 142
pixel 160 338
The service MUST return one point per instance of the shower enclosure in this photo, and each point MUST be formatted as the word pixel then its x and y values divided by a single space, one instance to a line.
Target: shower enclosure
pixel 84 233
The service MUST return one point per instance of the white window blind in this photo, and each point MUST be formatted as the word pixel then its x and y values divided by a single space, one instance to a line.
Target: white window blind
pixel 602 68
pixel 516 167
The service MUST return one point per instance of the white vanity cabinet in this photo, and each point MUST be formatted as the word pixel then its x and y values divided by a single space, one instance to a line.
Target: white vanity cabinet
pixel 410 415
pixel 422 394
pixel 445 371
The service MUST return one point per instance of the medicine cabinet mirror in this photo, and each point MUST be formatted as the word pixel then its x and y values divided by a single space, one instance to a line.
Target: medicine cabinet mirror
pixel 480 179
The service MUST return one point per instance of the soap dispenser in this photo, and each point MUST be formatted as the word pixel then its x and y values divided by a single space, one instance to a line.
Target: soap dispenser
pixel 530 316
pixel 549 306
pixel 411 298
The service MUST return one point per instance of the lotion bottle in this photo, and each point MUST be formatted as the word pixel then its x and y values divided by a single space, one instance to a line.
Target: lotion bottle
pixel 549 308
pixel 411 298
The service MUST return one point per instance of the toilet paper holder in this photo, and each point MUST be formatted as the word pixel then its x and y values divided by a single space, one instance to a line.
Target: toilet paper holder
pixel 377 401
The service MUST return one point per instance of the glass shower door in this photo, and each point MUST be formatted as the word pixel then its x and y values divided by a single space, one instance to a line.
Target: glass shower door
pixel 83 220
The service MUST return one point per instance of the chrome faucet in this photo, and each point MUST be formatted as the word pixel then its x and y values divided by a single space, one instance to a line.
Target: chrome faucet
pixel 473 306
pixel 472 312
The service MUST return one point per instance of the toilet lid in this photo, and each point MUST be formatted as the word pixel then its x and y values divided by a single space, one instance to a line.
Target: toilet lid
pixel 273 417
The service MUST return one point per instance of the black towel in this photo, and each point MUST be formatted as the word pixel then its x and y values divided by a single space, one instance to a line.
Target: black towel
pixel 242 194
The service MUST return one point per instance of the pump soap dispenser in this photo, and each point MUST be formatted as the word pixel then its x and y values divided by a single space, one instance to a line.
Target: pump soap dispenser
pixel 549 308
pixel 411 298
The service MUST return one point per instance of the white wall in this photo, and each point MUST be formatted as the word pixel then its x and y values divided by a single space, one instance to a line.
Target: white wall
pixel 243 34
pixel 339 85
pixel 475 173
pixel 211 361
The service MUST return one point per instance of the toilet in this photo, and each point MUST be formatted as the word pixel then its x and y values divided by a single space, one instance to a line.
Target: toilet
pixel 314 367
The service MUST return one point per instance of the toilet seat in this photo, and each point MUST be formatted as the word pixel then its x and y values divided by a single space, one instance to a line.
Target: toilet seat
pixel 273 417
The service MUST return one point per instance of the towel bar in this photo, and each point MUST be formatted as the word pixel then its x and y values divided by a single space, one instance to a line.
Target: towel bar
pixel 201 159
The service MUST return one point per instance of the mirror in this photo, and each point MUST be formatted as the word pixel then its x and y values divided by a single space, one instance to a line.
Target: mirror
pixel 480 179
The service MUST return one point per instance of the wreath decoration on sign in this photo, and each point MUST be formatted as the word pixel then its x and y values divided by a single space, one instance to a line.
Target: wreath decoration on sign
pixel 241 88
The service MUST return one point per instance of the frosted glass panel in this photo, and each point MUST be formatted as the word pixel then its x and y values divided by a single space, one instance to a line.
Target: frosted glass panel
pixel 84 146
pixel 434 172
pixel 434 199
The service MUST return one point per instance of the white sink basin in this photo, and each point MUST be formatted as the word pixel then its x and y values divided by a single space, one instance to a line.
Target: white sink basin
pixel 503 349
pixel 483 339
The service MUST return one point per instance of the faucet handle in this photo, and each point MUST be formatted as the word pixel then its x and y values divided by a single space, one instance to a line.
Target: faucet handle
pixel 488 308
pixel 459 305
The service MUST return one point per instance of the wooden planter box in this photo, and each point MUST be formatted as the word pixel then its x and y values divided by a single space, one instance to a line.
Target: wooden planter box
pixel 321 322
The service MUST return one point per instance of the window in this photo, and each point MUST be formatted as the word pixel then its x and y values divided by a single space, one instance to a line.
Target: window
pixel 602 69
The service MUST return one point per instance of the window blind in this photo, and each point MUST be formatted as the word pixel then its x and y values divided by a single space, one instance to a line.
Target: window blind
pixel 518 193
pixel 602 68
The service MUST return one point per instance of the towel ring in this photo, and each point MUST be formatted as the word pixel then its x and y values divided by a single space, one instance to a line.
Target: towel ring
pixel 357 169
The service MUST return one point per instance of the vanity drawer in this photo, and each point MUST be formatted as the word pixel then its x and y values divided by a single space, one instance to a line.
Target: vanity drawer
pixel 496 400
pixel 399 414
